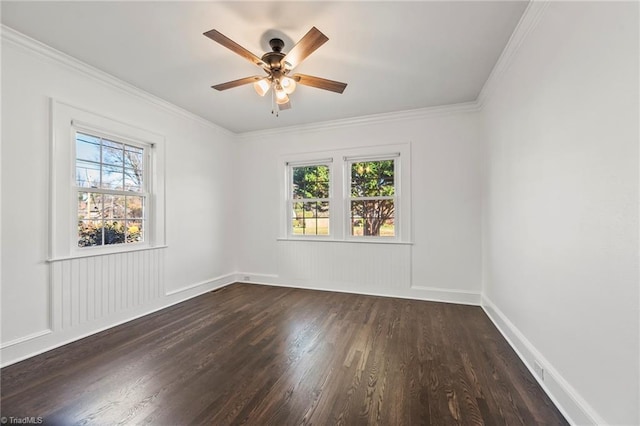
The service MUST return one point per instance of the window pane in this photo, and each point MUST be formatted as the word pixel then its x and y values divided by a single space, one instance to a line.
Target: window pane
pixel 87 174
pixel 113 206
pixel 135 207
pixel 133 157
pixel 323 173
pixel 311 182
pixel 297 218
pixel 322 218
pixel 112 177
pixel 299 182
pixel 89 233
pixel 310 218
pixel 373 218
pixel 114 231
pixel 132 180
pixel 321 190
pixel 372 179
pixel 83 137
pixel 112 152
pixel 89 205
pixel 87 147
pixel 135 231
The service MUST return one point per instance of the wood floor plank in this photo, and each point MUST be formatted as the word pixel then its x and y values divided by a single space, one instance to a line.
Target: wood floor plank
pixel 260 355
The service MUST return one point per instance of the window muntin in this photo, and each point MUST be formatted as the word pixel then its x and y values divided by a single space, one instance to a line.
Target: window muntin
pixel 372 198
pixel 310 189
pixel 111 191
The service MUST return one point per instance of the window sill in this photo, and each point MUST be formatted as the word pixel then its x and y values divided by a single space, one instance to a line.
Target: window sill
pixel 333 240
pixel 104 253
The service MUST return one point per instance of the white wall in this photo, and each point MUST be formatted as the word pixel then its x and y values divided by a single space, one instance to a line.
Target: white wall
pixel 44 304
pixel 444 261
pixel 561 248
pixel 557 250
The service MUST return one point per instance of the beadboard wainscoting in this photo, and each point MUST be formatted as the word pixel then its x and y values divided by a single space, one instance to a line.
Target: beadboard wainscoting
pixel 94 293
pixel 88 288
pixel 372 268
pixel 378 269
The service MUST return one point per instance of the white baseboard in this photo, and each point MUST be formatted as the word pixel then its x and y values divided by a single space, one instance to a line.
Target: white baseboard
pixel 436 294
pixel 34 344
pixel 431 294
pixel 26 338
pixel 572 406
pixel 221 280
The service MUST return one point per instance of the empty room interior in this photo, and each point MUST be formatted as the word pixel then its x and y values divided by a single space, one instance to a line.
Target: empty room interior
pixel 351 212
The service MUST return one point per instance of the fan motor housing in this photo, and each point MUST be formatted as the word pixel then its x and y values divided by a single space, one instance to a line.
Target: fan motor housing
pixel 274 59
pixel 276 44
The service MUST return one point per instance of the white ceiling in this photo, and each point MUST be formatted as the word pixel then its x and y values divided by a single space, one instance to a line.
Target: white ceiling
pixel 394 55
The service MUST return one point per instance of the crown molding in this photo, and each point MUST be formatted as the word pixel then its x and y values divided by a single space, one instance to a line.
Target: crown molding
pixel 8 34
pixel 386 117
pixel 527 23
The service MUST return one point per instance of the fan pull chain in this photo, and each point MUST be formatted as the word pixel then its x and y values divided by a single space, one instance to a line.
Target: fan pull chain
pixel 274 107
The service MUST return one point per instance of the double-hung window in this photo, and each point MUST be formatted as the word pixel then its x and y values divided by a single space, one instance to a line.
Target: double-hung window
pixel 107 185
pixel 112 190
pixel 309 198
pixel 354 195
pixel 372 200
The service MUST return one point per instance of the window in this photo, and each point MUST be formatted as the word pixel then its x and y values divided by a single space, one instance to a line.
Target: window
pixel 111 191
pixel 107 185
pixel 309 202
pixel 372 197
pixel 352 195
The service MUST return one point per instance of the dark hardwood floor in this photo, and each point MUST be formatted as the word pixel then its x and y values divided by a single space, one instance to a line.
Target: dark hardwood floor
pixel 259 355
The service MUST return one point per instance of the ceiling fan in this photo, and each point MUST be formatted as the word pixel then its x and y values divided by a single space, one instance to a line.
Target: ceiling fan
pixel 278 66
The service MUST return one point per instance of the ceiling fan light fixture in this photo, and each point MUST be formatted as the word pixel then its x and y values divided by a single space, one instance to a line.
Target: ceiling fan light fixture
pixel 262 86
pixel 278 65
pixel 288 85
pixel 281 95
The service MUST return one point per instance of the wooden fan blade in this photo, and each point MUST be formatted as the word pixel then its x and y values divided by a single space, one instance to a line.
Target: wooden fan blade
pixel 320 83
pixel 305 47
pixel 236 83
pixel 218 37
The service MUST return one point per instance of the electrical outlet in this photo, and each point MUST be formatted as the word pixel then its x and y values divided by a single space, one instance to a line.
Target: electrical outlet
pixel 537 367
pixel 246 278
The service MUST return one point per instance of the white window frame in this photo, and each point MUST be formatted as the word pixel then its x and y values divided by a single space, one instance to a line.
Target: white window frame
pixel 348 161
pixel 340 191
pixel 66 120
pixel 146 190
pixel 290 165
